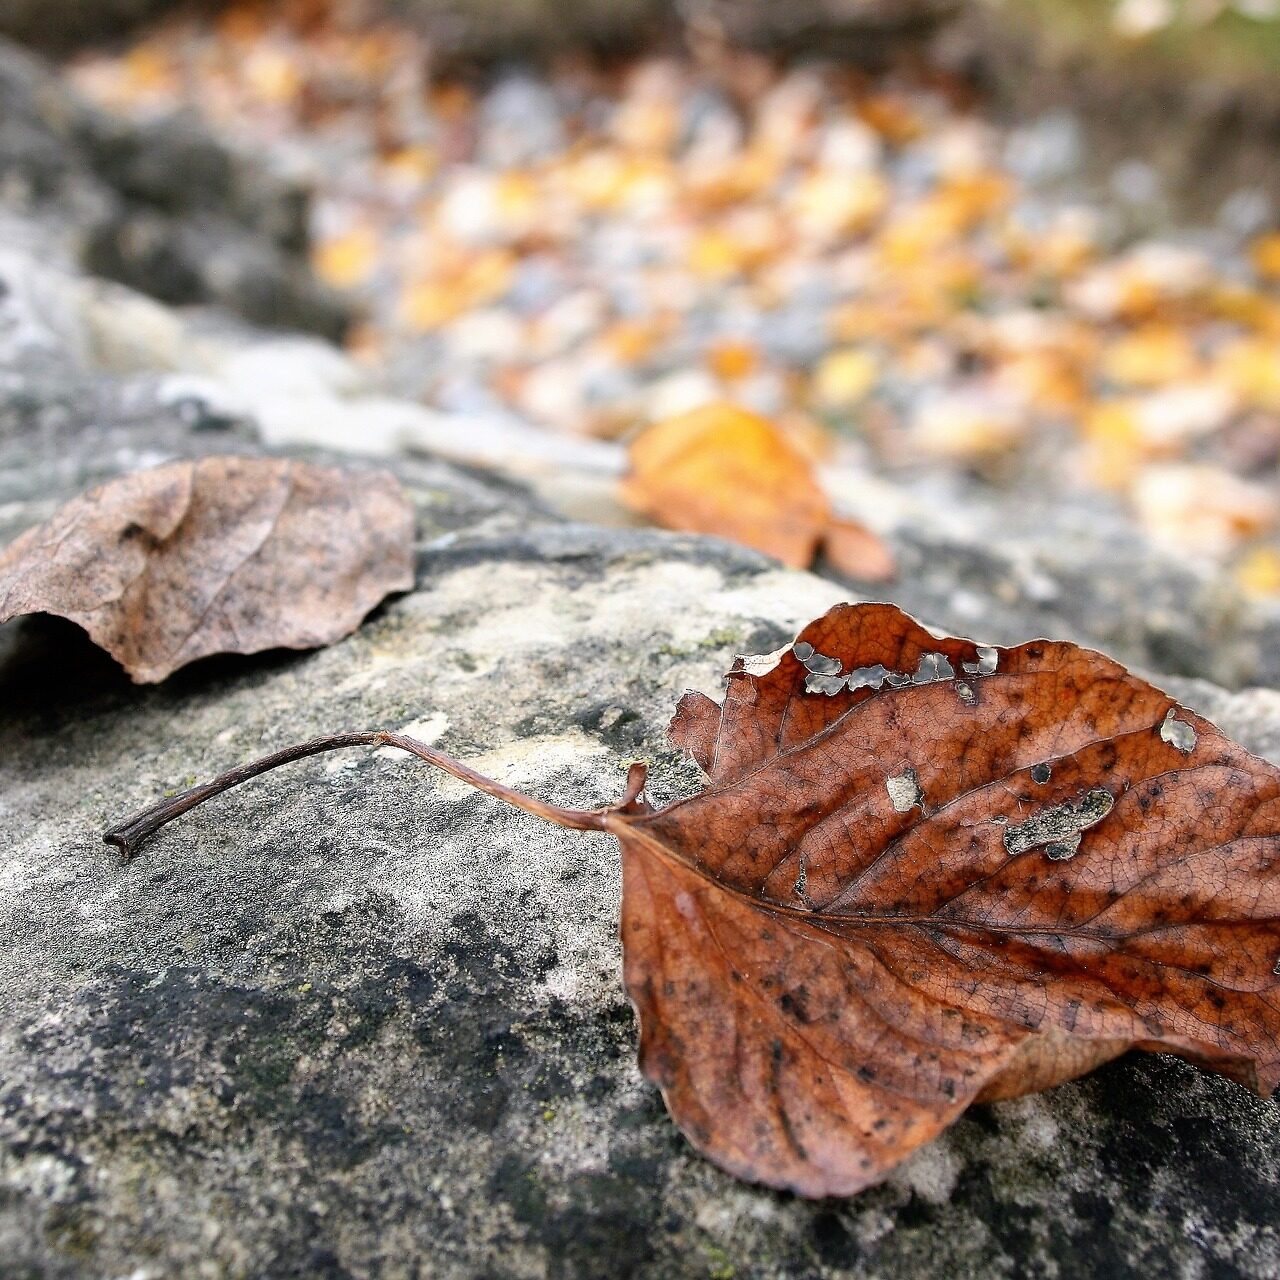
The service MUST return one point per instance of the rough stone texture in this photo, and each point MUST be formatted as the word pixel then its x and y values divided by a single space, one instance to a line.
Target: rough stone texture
pixel 158 205
pixel 354 1020
pixel 498 28
pixel 64 24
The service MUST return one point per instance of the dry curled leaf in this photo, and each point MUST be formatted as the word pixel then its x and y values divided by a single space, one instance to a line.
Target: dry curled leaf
pixel 722 470
pixel 924 873
pixel 223 555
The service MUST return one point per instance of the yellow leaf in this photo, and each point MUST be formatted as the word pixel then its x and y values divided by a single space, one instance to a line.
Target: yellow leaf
pixel 1258 572
pixel 1202 509
pixel 1251 368
pixel 722 470
pixel 411 166
pixel 891 116
pixel 272 76
pixel 829 205
pixel 1150 356
pixel 961 428
pixel 149 68
pixel 1114 449
pixel 427 304
pixel 715 255
pixel 632 341
pixel 844 377
pixel 346 260
pixel 732 359
pixel 1265 252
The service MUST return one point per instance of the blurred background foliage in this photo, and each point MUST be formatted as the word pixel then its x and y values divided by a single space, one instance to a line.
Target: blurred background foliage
pixel 1031 245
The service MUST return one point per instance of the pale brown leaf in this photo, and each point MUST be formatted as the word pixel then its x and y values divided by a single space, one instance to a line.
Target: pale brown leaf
pixel 723 470
pixel 223 555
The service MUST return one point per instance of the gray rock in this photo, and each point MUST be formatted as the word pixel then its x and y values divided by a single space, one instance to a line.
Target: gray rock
pixel 158 205
pixel 58 25
pixel 355 1020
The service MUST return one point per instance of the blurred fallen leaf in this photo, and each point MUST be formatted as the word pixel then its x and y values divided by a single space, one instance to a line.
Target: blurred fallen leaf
pixel 854 550
pixel 346 260
pixel 1258 572
pixel 1265 252
pixel 1202 509
pixel 723 470
pixel 968 425
pixel 1149 356
pixel 844 377
pixel 223 555
pixel 733 359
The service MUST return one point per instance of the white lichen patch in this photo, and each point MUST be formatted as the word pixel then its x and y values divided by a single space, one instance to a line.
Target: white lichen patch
pixel 1033 1120
pixel 931 1173
pixel 428 729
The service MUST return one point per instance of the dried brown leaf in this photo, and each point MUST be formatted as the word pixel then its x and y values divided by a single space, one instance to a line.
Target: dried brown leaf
pixel 892 902
pixel 223 555
pixel 722 470
pixel 853 549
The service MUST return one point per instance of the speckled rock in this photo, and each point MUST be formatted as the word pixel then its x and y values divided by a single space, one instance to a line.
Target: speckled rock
pixel 355 1020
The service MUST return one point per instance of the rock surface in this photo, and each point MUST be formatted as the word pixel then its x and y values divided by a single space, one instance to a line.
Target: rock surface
pixel 354 1020
pixel 357 1020
pixel 158 204
pixel 64 24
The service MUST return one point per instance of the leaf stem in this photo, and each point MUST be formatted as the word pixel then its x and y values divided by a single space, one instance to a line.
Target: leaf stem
pixel 128 836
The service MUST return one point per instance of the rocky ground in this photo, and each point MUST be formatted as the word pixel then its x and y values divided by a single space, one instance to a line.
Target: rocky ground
pixel 353 1020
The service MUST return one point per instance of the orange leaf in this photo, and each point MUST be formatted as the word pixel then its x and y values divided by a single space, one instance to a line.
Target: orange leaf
pixel 856 551
pixel 722 470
